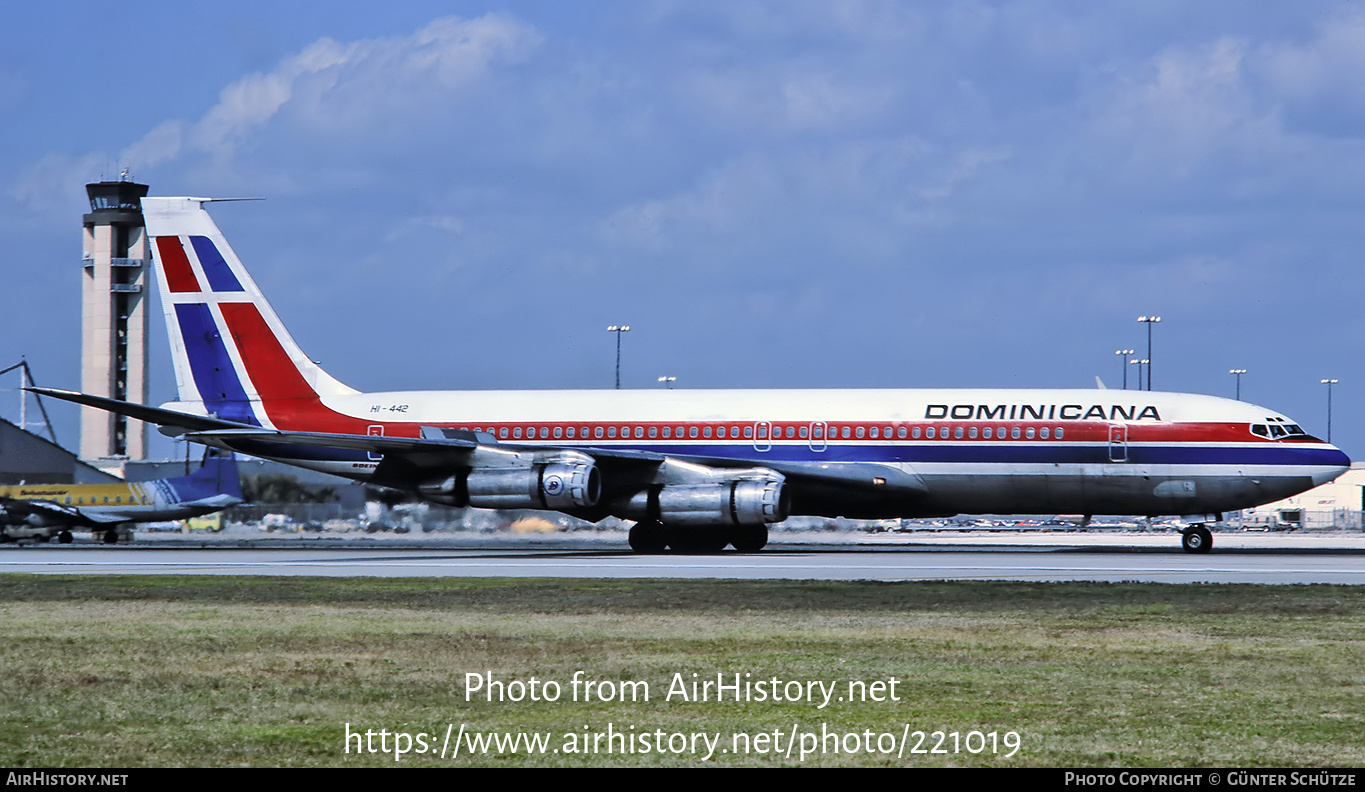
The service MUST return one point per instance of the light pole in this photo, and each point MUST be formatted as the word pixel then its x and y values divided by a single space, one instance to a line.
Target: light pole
pixel 668 381
pixel 618 330
pixel 1329 383
pixel 1140 362
pixel 1149 321
pixel 1123 358
pixel 1238 373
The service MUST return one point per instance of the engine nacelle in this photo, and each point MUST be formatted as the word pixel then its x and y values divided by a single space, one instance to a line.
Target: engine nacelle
pixel 32 519
pixel 749 502
pixel 570 482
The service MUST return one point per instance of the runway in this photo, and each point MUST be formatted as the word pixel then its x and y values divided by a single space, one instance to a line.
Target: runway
pixel 882 563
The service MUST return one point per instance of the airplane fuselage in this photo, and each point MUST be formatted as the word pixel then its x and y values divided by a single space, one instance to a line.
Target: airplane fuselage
pixel 952 451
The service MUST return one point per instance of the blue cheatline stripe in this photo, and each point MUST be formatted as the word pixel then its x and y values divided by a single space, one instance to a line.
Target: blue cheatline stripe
pixel 214 375
pixel 1283 456
pixel 216 269
pixel 983 453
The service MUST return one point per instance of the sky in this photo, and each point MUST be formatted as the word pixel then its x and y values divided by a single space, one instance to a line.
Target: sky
pixel 771 194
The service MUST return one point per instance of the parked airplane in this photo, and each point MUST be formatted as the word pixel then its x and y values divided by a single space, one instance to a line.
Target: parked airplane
pixel 45 511
pixel 699 469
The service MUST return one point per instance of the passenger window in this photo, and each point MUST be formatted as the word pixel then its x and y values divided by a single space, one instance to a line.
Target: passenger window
pixel 859 432
pixel 653 432
pixel 971 433
pixel 748 432
pixel 706 431
pixel 957 433
pixel 1028 433
pixel 987 432
pixel 791 432
pixel 900 432
pixel 930 432
pixel 668 432
pixel 597 432
pixel 915 432
pixel 1014 433
pixel 559 432
pixel 692 431
pixel 1060 433
pixel 569 432
pixel 639 431
pixel 503 433
pixel 805 432
pixel 544 432
pixel 611 432
pixel 1043 432
pixel 846 432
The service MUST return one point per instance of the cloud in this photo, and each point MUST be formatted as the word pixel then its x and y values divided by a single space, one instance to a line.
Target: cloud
pixel 329 90
pixel 965 167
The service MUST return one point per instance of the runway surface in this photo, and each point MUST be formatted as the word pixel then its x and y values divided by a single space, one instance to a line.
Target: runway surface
pixel 1048 562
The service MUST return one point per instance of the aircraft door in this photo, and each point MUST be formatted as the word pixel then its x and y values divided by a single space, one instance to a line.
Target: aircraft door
pixel 375 430
pixel 1118 442
pixel 762 435
pixel 817 435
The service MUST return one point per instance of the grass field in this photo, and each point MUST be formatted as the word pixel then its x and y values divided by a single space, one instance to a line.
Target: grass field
pixel 195 671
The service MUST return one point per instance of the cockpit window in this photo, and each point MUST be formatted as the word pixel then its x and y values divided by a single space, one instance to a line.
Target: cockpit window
pixel 1275 431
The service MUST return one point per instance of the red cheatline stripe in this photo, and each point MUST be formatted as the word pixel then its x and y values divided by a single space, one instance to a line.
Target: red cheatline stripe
pixel 179 276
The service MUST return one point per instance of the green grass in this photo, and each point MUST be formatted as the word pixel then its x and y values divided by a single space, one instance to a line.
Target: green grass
pixel 175 671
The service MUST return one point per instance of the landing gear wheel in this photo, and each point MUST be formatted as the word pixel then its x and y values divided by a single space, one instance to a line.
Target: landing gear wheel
pixel 64 537
pixel 698 540
pixel 648 537
pixel 1196 539
pixel 749 538
pixel 111 536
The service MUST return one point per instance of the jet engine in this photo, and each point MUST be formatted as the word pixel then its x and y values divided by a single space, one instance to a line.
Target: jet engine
pixel 570 481
pixel 747 502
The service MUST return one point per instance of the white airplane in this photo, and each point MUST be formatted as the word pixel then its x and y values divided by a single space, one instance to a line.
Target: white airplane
pixel 42 512
pixel 697 470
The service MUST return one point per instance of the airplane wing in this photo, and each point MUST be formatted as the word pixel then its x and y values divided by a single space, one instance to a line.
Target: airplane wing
pixel 55 513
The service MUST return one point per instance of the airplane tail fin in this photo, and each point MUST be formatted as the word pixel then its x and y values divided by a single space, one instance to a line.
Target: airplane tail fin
pixel 232 354
pixel 217 476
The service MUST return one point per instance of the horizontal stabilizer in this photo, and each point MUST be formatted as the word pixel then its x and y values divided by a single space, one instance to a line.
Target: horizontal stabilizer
pixel 154 415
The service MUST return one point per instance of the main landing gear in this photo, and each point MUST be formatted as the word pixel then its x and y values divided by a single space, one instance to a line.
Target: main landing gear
pixel 652 537
pixel 1196 539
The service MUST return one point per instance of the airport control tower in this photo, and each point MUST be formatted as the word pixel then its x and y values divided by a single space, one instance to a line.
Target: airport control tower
pixel 114 294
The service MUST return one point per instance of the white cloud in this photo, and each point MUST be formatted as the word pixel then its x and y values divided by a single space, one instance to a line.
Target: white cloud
pixel 965 167
pixel 331 89
pixel 786 99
